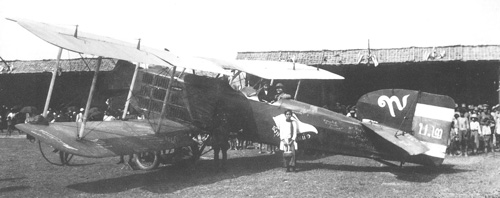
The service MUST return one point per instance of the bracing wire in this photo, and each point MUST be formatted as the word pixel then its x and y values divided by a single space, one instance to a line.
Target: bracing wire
pixel 413 104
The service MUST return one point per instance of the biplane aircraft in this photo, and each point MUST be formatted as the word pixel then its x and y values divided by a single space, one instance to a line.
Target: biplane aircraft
pixel 394 125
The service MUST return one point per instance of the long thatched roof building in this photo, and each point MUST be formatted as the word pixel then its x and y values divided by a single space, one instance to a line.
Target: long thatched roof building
pixel 383 56
pixel 468 73
pixel 65 65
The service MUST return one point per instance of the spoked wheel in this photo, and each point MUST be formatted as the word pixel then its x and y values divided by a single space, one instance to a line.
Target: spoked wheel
pixel 146 161
pixel 54 156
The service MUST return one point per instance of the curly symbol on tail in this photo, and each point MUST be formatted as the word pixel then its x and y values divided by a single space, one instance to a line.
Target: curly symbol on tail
pixel 385 100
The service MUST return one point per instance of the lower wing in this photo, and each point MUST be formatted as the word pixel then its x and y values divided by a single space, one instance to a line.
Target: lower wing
pixel 111 138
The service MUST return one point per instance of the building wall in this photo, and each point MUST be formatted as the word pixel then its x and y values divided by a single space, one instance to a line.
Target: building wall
pixel 473 82
pixel 70 88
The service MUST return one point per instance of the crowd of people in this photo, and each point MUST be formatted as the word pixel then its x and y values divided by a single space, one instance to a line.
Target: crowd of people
pixel 475 130
pixel 10 116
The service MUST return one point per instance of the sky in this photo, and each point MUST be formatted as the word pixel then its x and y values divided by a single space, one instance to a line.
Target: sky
pixel 221 28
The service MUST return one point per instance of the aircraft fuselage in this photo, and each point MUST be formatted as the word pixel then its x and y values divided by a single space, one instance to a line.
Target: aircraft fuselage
pixel 337 133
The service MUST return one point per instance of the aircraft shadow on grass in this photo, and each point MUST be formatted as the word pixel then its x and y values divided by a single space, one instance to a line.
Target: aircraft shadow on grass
pixel 409 172
pixel 12 188
pixel 173 178
pixel 417 173
pixel 12 179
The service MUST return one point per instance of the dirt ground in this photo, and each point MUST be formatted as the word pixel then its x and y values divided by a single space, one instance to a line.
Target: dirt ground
pixel 24 173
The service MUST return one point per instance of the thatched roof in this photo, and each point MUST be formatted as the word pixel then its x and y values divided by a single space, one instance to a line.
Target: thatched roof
pixel 66 65
pixel 391 55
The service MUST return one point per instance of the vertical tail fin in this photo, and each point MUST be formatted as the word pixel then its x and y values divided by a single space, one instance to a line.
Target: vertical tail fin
pixel 427 116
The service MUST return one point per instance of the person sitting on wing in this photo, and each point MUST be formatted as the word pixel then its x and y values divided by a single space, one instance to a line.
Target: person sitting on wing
pixel 280 94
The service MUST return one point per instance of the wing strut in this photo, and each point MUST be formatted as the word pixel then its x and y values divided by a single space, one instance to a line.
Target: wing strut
pixel 89 100
pixel 52 82
pixel 297 91
pixel 132 84
pixel 6 64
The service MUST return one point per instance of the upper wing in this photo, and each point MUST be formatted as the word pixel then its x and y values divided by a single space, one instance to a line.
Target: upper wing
pixel 107 47
pixel 111 138
pixel 277 70
pixel 405 141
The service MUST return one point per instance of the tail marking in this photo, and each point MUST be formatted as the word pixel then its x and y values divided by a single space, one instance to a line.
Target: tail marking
pixel 385 100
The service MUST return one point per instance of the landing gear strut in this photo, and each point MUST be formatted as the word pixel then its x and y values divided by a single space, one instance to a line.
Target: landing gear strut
pixel 48 152
pixel 65 157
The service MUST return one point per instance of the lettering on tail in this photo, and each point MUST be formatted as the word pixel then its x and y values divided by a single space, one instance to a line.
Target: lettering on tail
pixel 386 101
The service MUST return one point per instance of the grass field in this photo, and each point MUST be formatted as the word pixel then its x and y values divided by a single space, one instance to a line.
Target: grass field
pixel 24 173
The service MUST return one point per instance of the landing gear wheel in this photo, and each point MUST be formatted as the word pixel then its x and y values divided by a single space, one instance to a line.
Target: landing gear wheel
pixel 146 161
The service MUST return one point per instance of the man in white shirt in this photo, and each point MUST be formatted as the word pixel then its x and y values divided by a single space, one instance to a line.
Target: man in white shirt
pixel 11 122
pixel 287 130
pixel 463 132
pixel 475 129
pixel 79 116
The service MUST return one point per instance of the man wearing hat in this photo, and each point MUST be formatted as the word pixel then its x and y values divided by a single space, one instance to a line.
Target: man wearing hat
pixel 79 116
pixel 352 112
pixel 496 117
pixel 463 132
pixel 280 94
pixel 475 129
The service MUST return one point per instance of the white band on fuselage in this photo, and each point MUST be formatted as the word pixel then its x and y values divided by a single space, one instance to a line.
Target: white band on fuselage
pixel 434 112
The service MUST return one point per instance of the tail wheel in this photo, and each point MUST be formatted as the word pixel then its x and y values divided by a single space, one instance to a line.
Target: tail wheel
pixel 146 161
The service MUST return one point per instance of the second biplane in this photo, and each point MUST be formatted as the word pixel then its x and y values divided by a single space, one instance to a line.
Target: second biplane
pixel 180 108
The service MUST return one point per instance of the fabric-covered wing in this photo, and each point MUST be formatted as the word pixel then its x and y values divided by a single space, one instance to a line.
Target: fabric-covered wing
pixel 107 47
pixel 112 138
pixel 405 141
pixel 277 70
